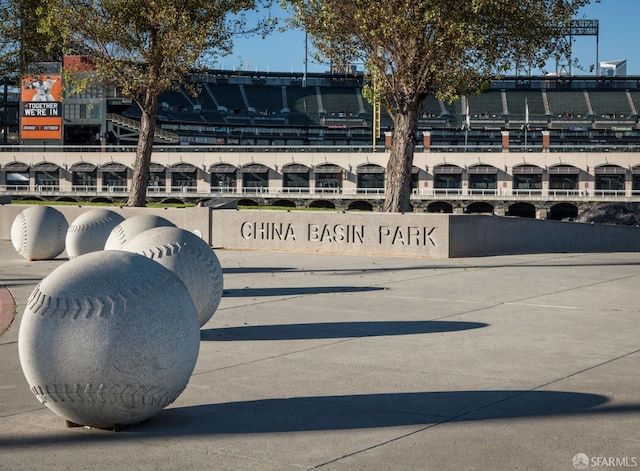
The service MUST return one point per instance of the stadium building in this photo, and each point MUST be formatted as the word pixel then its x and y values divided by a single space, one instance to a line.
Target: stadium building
pixel 546 147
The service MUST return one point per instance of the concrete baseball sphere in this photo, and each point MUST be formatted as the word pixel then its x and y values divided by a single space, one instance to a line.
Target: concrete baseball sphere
pixel 133 226
pixel 189 257
pixel 89 231
pixel 38 233
pixel 109 338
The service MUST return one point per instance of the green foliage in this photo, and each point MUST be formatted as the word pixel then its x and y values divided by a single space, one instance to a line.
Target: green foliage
pixel 143 48
pixel 450 47
pixel 90 203
pixel 413 48
pixel 147 47
pixel 22 41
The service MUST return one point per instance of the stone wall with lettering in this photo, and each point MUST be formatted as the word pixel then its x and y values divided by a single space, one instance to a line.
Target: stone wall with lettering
pixel 385 234
pixel 413 235
pixel 422 235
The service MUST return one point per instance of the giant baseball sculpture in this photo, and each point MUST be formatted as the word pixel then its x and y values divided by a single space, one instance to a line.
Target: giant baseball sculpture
pixel 133 226
pixel 38 233
pixel 90 231
pixel 189 257
pixel 108 339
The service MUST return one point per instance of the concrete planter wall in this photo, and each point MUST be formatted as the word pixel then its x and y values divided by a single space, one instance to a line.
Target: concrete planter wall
pixel 405 235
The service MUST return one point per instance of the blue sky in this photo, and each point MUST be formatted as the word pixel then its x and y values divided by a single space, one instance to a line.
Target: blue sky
pixel 618 39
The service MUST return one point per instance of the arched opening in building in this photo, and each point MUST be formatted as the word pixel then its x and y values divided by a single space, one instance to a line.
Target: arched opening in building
pixel 283 204
pixel 84 176
pixel 610 180
pixel 172 201
pixel 328 178
pixel 114 176
pixel 17 174
pixel 561 211
pixel 67 199
pixel 322 204
pixel 447 179
pixel 563 179
pixel 247 202
pixel 255 178
pixel 360 206
pixel 527 179
pixel 522 210
pixel 439 207
pixel 31 198
pixel 223 177
pixel 482 179
pixel 479 207
pixel 295 178
pixel 370 178
pixel 157 178
pixel 46 176
pixel 101 199
pixel 184 177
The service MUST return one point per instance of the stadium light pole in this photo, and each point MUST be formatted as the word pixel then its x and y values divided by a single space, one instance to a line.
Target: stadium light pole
pixel 5 113
pixel 306 57
pixel 467 125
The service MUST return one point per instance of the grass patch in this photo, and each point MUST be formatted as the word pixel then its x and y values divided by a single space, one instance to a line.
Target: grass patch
pixel 285 208
pixel 92 203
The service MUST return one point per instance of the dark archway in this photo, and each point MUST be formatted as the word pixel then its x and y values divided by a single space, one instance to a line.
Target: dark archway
pixel 247 202
pixel 32 198
pixel 562 211
pixel 322 204
pixel 479 207
pixel 67 199
pixel 172 201
pixel 101 199
pixel 439 207
pixel 522 210
pixel 360 206
pixel 284 204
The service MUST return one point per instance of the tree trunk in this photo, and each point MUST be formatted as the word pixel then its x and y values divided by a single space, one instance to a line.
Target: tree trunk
pixel 140 179
pixel 398 176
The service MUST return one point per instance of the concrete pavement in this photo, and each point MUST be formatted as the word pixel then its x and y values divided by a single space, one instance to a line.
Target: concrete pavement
pixel 364 363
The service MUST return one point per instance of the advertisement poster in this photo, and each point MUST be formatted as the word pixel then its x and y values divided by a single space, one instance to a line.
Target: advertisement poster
pixel 41 107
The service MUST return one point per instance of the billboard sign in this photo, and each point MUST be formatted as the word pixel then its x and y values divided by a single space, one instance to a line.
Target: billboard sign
pixel 41 107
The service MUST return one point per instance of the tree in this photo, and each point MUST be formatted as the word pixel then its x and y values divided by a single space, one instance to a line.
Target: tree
pixel 22 42
pixel 413 48
pixel 147 47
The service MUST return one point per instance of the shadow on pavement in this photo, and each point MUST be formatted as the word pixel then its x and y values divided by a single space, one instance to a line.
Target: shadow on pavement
pixel 291 291
pixel 333 330
pixel 350 412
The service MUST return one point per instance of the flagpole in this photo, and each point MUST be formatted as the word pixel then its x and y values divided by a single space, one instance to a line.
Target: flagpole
pixel 526 122
pixel 467 126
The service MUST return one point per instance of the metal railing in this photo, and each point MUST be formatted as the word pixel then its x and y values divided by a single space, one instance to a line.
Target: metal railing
pixel 311 148
pixel 80 192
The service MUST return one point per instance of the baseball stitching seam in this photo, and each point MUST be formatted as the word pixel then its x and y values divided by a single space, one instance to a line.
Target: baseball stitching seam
pixel 89 225
pixel 23 234
pixel 114 394
pixel 42 304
